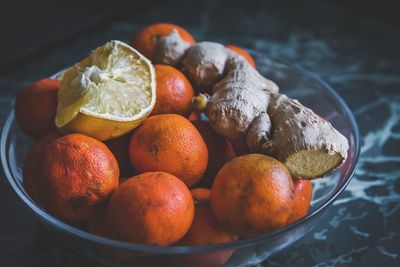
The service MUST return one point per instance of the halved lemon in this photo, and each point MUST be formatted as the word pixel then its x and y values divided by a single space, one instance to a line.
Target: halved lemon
pixel 107 94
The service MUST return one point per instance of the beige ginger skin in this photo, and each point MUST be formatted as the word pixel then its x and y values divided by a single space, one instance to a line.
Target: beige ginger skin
pixel 246 105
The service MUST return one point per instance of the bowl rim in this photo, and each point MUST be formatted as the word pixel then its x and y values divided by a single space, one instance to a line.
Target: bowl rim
pixel 81 234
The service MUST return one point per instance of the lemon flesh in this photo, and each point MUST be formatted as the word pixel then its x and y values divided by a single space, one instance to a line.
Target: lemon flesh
pixel 107 94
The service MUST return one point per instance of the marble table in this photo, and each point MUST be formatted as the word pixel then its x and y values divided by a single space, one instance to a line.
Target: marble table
pixel 352 50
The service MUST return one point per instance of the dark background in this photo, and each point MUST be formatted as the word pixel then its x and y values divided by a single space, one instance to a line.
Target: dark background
pixel 353 45
pixel 28 27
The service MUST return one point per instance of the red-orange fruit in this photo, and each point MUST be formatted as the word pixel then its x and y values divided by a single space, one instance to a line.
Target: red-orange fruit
pixel 204 231
pixel 77 174
pixel 174 91
pixel 169 143
pixel 146 40
pixel 32 180
pixel 243 53
pixel 154 208
pixel 36 107
pixel 252 195
pixel 302 198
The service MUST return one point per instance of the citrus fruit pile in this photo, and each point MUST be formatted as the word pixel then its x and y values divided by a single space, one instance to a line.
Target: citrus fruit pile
pixel 121 153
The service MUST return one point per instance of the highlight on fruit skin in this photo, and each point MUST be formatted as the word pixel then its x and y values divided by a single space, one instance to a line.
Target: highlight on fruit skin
pixel 107 94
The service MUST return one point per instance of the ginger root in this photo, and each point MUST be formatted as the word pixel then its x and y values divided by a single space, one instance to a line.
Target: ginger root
pixel 246 105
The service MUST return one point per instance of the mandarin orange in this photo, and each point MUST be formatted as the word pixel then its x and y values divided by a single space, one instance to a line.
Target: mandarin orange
pixel 36 106
pixel 78 174
pixel 174 91
pixel 243 53
pixel 302 198
pixel 154 208
pixel 169 143
pixel 252 194
pixel 145 41
pixel 204 231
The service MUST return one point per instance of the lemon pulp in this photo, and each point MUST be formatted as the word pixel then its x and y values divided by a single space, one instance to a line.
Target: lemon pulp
pixel 107 94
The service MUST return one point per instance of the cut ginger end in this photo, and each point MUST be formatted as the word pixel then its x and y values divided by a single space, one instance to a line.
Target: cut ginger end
pixel 312 163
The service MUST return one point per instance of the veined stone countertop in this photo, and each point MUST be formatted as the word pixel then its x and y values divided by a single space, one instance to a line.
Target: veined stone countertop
pixel 357 54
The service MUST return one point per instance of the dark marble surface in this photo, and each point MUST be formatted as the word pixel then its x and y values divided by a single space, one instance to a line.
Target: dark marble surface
pixel 353 50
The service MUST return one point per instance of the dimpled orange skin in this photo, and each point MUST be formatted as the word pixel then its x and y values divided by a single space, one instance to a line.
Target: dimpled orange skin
pixel 154 208
pixel 174 91
pixel 36 106
pixel 302 198
pixel 80 173
pixel 32 180
pixel 252 195
pixel 243 53
pixel 169 143
pixel 146 40
pixel 220 151
pixel 204 231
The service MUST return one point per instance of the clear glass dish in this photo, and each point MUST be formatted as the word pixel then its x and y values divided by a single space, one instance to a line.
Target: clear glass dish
pixel 293 81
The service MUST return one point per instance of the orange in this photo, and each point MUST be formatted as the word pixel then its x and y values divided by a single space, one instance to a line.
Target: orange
pixel 204 231
pixel 120 148
pixel 220 151
pixel 36 106
pixel 174 92
pixel 76 174
pixel 153 208
pixel 252 194
pixel 302 198
pixel 243 53
pixel 169 143
pixel 146 40
pixel 32 180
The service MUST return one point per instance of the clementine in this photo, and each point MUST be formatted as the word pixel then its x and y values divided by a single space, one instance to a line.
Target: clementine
pixel 252 194
pixel 243 53
pixel 174 91
pixel 77 174
pixel 169 143
pixel 33 181
pixel 204 231
pixel 36 106
pixel 153 208
pixel 146 40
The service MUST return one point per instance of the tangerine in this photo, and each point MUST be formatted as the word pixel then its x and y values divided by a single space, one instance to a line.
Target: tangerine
pixel 252 194
pixel 169 143
pixel 154 208
pixel 145 41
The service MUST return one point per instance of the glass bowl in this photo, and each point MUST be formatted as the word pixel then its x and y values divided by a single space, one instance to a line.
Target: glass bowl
pixel 293 81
